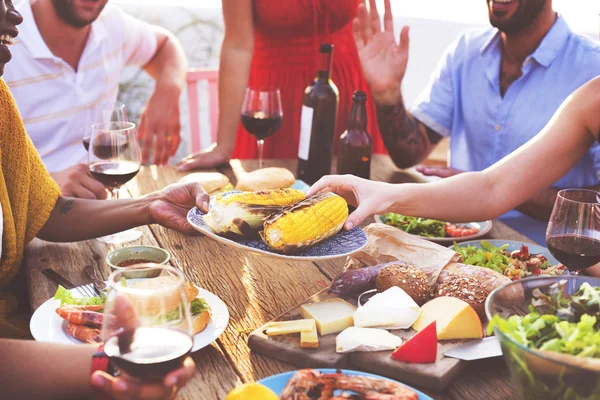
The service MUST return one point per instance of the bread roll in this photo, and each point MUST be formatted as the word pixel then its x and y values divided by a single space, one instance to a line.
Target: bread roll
pixel 266 178
pixel 210 181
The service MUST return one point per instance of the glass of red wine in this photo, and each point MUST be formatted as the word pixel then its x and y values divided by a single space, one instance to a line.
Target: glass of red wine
pixel 114 158
pixel 261 116
pixel 573 234
pixel 147 328
pixel 103 112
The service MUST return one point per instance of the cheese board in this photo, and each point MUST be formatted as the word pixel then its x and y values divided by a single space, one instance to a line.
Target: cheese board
pixel 287 348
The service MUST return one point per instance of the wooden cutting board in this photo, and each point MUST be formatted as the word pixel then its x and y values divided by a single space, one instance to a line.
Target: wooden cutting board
pixel 287 348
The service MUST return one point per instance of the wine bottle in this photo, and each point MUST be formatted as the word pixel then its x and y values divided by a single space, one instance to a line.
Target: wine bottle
pixel 356 146
pixel 317 126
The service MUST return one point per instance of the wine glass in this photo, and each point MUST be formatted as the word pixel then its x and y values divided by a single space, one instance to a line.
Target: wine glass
pixel 573 234
pixel 261 116
pixel 103 112
pixel 147 328
pixel 114 158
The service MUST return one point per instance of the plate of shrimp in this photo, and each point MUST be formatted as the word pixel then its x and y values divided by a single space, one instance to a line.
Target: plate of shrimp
pixel 434 230
pixel 331 384
pixel 76 324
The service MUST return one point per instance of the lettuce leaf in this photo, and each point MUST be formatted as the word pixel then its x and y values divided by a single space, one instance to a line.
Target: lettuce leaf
pixel 198 305
pixel 66 297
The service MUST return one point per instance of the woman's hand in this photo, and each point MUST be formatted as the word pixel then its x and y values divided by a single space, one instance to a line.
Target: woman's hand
pixel 169 207
pixel 210 157
pixel 368 196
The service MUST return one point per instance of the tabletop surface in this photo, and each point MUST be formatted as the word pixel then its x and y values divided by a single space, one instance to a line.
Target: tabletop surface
pixel 255 289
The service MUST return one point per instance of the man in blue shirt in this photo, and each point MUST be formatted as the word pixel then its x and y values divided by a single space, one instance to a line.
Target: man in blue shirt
pixel 493 90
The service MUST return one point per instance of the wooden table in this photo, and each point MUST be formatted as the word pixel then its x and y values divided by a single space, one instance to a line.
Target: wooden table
pixel 255 289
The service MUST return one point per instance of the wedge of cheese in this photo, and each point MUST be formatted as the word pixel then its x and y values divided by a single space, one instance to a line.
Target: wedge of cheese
pixel 310 340
pixel 365 339
pixel 392 309
pixel 454 318
pixel 287 327
pixel 332 316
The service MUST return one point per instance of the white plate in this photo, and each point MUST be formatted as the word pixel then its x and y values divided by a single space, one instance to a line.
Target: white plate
pixel 47 326
pixel 484 227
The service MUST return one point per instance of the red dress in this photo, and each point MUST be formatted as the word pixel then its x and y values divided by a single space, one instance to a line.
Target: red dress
pixel 287 35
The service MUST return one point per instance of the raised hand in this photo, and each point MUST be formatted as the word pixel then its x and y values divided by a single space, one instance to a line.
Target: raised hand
pixel 383 61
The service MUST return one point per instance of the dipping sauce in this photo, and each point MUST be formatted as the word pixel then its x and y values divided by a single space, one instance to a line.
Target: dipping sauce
pixel 134 261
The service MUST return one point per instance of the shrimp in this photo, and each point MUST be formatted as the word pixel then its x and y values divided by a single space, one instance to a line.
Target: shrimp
pixel 306 384
pixel 370 388
pixel 82 315
pixel 457 230
pixel 84 333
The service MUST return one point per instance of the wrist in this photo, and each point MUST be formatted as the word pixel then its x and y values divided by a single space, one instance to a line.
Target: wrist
pixel 168 87
pixel 387 98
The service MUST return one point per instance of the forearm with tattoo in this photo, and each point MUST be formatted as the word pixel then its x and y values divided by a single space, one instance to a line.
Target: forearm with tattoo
pixel 407 139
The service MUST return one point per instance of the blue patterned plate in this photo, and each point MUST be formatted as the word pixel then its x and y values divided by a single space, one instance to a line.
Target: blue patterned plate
pixel 277 382
pixel 341 245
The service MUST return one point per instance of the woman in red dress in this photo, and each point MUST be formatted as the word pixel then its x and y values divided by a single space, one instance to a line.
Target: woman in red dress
pixel 274 44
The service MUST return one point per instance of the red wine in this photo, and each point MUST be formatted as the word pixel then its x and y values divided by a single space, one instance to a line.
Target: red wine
pixel 152 352
pixel 317 125
pixel 114 174
pixel 260 125
pixel 107 145
pixel 575 252
pixel 356 146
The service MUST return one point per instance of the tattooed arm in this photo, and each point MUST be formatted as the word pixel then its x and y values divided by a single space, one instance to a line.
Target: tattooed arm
pixel 81 219
pixel 407 139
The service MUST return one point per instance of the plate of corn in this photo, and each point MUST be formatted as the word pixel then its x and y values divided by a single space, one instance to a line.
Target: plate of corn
pixel 281 223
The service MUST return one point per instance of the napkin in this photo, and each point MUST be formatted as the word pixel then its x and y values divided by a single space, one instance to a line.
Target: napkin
pixel 387 244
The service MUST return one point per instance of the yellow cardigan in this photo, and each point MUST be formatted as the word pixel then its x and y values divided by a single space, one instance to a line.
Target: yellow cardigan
pixel 27 192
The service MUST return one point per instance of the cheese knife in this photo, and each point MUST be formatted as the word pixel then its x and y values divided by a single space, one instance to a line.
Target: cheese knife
pixel 476 350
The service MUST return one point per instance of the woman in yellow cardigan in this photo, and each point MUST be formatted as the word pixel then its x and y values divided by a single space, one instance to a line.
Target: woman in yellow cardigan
pixel 32 206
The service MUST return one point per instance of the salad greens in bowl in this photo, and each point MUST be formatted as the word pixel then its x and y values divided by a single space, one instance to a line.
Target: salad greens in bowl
pixel 549 330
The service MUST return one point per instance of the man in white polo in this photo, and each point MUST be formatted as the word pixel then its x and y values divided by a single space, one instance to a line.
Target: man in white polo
pixel 69 57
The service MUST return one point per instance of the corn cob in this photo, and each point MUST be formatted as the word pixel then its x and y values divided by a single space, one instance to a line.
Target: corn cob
pixel 242 214
pixel 306 223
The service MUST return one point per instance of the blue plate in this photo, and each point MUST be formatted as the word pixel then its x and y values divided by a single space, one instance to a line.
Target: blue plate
pixel 301 185
pixel 342 244
pixel 277 382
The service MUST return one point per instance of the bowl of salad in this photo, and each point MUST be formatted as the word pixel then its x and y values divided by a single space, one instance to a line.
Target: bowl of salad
pixel 549 330
pixel 514 259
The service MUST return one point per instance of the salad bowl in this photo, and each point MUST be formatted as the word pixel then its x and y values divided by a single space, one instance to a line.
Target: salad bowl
pixel 549 334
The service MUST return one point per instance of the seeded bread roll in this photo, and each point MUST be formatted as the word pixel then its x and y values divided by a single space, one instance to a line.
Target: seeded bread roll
pixel 467 289
pixel 411 279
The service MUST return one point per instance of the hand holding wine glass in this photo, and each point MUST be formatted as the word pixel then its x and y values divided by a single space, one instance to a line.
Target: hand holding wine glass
pixel 573 234
pixel 261 116
pixel 147 334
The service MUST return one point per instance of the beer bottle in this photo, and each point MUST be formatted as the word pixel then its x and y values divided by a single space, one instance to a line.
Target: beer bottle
pixel 317 126
pixel 356 146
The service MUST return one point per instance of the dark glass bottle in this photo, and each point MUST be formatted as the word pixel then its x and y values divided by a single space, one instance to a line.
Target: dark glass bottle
pixel 356 146
pixel 317 126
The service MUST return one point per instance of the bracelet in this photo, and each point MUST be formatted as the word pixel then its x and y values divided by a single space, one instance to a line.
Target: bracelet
pixel 101 362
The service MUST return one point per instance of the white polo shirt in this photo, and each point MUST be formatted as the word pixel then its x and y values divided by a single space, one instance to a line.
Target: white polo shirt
pixel 52 97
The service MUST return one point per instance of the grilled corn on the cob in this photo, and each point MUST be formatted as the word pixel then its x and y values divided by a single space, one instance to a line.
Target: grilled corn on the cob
pixel 306 223
pixel 242 214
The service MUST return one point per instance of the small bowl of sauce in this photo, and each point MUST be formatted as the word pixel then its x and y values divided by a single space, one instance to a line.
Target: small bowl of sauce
pixel 129 257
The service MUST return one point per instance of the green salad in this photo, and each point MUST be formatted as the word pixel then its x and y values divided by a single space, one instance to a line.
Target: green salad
pixel 487 256
pixel 66 297
pixel 415 225
pixel 566 325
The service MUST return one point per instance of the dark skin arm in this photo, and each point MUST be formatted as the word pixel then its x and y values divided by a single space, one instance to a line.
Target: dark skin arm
pixel 168 207
pixel 407 139
pixel 540 206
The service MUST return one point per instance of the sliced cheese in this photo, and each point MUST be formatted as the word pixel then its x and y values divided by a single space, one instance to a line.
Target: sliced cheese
pixel 392 309
pixel 310 339
pixel 365 339
pixel 332 316
pixel 287 327
pixel 454 318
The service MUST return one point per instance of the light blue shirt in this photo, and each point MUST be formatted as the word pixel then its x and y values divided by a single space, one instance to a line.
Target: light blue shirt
pixel 463 101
